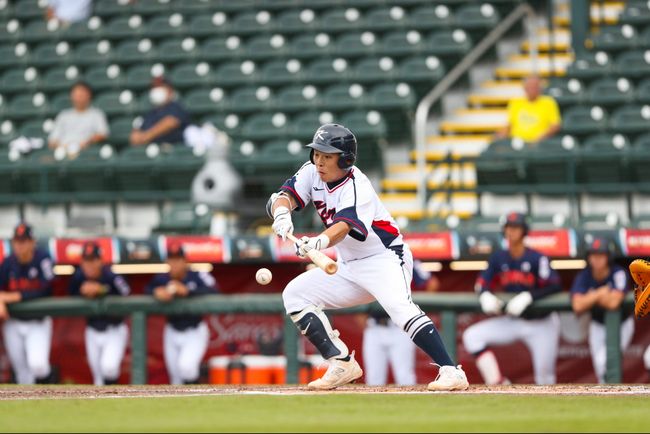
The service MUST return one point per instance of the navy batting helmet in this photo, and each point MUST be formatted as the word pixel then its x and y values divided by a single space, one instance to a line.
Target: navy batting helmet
pixel 599 245
pixel 516 219
pixel 335 139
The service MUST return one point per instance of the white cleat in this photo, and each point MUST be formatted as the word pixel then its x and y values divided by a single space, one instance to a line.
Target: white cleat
pixel 450 378
pixel 338 374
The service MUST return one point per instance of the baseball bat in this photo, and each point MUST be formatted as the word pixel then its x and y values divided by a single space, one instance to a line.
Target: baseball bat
pixel 320 259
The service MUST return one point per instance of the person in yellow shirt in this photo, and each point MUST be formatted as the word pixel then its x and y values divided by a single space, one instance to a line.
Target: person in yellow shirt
pixel 533 118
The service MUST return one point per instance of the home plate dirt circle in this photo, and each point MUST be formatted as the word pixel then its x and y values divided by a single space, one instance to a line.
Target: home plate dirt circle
pixel 153 391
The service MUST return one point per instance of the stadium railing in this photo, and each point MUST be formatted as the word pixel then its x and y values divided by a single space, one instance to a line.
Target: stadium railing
pixel 139 307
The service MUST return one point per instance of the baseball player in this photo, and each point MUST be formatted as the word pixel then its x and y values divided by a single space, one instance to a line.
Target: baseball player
pixel 599 287
pixel 185 339
pixel 528 274
pixel 374 263
pixel 384 343
pixel 106 336
pixel 25 275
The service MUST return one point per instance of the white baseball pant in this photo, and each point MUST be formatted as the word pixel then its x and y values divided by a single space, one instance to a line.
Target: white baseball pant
pixel 378 277
pixel 385 345
pixel 105 351
pixel 541 336
pixel 598 344
pixel 184 351
pixel 28 347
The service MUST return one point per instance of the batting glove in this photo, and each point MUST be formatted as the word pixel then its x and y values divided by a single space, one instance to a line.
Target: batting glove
pixel 306 244
pixel 518 304
pixel 282 224
pixel 490 303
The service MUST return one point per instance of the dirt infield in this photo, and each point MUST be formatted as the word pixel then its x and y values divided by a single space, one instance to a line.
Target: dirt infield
pixel 92 392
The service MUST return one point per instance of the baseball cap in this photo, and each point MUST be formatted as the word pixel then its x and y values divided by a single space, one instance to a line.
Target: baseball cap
pixel 515 219
pixel 23 232
pixel 598 245
pixel 91 250
pixel 175 250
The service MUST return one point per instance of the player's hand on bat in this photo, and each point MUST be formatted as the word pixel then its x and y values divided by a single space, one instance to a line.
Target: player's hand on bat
pixel 518 304
pixel 282 224
pixel 314 243
pixel 490 303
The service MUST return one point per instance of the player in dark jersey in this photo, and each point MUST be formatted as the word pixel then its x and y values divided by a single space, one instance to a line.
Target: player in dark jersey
pixel 600 287
pixel 106 336
pixel 185 336
pixel 527 275
pixel 25 275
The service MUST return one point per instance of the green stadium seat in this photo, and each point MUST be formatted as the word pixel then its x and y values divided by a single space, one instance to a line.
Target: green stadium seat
pixel 151 7
pixel 206 25
pixel 237 73
pixel 181 218
pixel 420 69
pixel 640 158
pixel 140 76
pixel 566 91
pixel 137 173
pixel 250 22
pixel 28 9
pixel 372 69
pixel 304 125
pixel 500 166
pixel 90 175
pixel 266 126
pixel 18 80
pixel 403 43
pixel 3 104
pixel 229 123
pixel 8 132
pixel 449 43
pixel 601 160
pixel 356 44
pixel 41 30
pixel 221 48
pixel 484 16
pixel 392 96
pixel 178 50
pixel 581 120
pixel 281 154
pixel 311 46
pixel 591 65
pixel 34 128
pixel 297 98
pixel 181 164
pixel 106 77
pixel 386 18
pixel 611 91
pixel 109 8
pixel 120 130
pixel 635 63
pixel 251 99
pixel 549 164
pixel 93 52
pixel 631 119
pixel 635 13
pixel 12 31
pixel 207 100
pixel 643 92
pixel 59 101
pixel 345 97
pixel 125 27
pixel 43 177
pixel 297 21
pixel 173 25
pixel 368 124
pixel 115 102
pixel 192 75
pixel 136 51
pixel 263 47
pixel 281 72
pixel 341 19
pixel 615 38
pixel 14 54
pixel 430 17
pixel 328 71
pixel 28 106
pixel 59 78
pixel 51 53
pixel 93 28
pixel 192 7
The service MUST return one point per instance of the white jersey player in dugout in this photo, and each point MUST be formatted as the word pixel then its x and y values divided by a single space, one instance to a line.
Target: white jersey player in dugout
pixel 374 263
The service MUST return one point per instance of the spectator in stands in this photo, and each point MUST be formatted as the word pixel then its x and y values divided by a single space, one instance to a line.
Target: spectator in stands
pixel 600 287
pixel 185 338
pixel 533 118
pixel 106 336
pixel 82 125
pixel 68 11
pixel 166 121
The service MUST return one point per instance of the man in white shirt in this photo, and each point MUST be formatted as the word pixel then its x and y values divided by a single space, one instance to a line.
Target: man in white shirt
pixel 69 11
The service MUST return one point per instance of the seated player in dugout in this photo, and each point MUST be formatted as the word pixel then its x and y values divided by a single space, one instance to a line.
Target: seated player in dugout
pixel 526 274
pixel 26 274
pixel 374 263
pixel 166 121
pixel 185 339
pixel 600 287
pixel 532 118
pixel 106 336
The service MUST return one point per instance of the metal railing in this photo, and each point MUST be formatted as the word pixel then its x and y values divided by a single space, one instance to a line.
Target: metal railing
pixel 138 307
pixel 424 106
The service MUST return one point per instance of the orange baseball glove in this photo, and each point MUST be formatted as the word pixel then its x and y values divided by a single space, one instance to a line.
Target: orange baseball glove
pixel 640 271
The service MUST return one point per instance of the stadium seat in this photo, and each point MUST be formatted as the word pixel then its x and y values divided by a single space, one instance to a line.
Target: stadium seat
pixel 205 25
pixel 372 69
pixel 341 19
pixel 635 14
pixel 28 106
pixel 397 97
pixel 117 102
pixel 135 51
pixel 591 65
pixel 237 73
pixel 229 123
pixel 345 97
pixel 177 50
pixel 181 164
pixel 90 175
pixel 28 9
pixel 297 98
pixel 221 48
pixel 12 31
pixel 304 125
pixel 151 7
pixel 430 17
pixel 109 8
pixel 483 16
pixel 611 92
pixel 93 52
pixel 297 21
pixel 8 132
pixel 125 27
pixel 86 30
pixel 40 30
pixel 403 43
pixel 386 18
pixel 500 169
pixel 281 72
pixel 250 22
pixel 181 218
pixel 352 45
pixel 421 70
pixel 635 63
pixel 43 177
pixel 19 80
pixel 643 92
pixel 137 175
pixel 139 76
pixel 453 43
pixel 191 75
pixel 120 130
pixel 601 161
pixel 311 46
pixel 51 53
pixel 366 124
pixel 615 38
pixel 328 71
pixel 266 126
pixel 566 91
pixel 580 120
pixel 206 100
pixel 631 119
pixel 59 78
pixel 14 54
pixel 103 77
pixel 164 26
pixel 36 129
pixel 265 46
pixel 550 164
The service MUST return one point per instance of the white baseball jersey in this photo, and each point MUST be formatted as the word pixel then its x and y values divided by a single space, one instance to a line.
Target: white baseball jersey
pixel 352 200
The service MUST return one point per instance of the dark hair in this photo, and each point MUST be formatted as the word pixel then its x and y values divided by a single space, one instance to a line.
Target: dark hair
pixel 84 85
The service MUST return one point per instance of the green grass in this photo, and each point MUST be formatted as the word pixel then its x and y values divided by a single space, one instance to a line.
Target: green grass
pixel 341 413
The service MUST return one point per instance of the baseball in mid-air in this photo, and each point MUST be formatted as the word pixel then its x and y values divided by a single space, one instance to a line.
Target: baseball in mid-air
pixel 263 276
